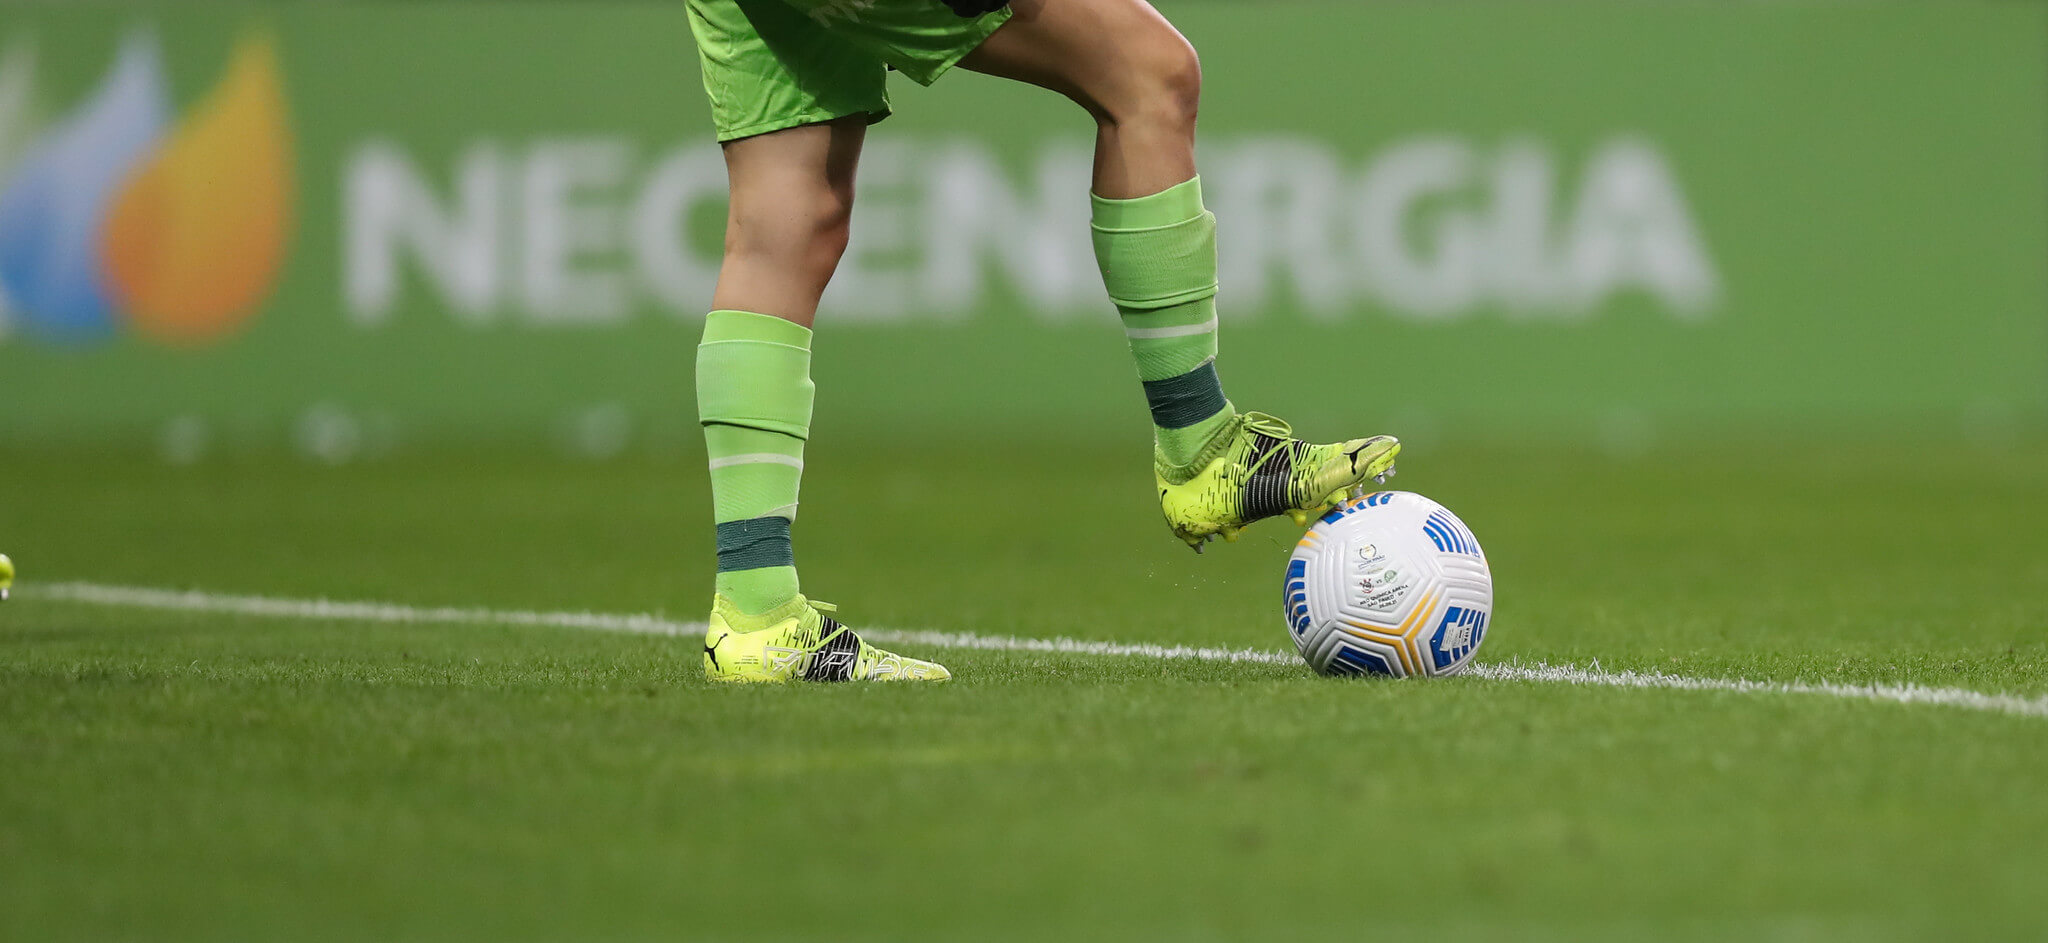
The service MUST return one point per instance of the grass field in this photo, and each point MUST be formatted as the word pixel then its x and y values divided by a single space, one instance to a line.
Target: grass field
pixel 202 775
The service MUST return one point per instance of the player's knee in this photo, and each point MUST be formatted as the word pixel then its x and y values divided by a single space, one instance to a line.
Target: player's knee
pixel 808 240
pixel 827 239
pixel 1165 84
pixel 1180 80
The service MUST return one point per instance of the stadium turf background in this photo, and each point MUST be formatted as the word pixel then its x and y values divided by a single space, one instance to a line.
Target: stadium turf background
pixel 196 776
pixel 1739 482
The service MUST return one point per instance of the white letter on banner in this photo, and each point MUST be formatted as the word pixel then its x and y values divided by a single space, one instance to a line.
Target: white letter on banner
pixel 1279 203
pixel 661 226
pixel 570 201
pixel 386 207
pixel 1522 263
pixel 1445 280
pixel 972 215
pixel 1632 229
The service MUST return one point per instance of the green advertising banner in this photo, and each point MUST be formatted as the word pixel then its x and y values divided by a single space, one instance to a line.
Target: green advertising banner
pixel 352 226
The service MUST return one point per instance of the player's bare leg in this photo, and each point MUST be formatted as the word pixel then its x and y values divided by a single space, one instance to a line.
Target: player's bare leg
pixel 1126 65
pixel 1216 470
pixel 792 199
pixel 792 205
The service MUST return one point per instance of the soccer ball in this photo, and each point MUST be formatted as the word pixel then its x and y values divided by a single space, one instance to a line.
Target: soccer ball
pixel 1391 583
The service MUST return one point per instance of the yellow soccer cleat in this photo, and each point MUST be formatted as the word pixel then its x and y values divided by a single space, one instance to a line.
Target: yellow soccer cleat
pixel 800 641
pixel 1256 469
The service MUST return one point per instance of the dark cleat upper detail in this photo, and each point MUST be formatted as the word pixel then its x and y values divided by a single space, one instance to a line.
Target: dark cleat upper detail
pixel 1266 489
pixel 834 659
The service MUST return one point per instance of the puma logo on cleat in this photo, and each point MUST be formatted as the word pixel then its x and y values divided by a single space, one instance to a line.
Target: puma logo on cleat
pixel 711 651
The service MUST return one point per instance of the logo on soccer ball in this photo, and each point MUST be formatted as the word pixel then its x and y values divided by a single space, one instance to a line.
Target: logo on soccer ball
pixel 1457 635
pixel 1383 594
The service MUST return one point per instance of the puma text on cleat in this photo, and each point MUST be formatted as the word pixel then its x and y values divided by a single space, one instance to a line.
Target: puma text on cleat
pixel 799 641
pixel 1256 469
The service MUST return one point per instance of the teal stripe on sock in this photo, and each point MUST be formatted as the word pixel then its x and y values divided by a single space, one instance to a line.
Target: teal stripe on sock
pixel 754 543
pixel 1182 401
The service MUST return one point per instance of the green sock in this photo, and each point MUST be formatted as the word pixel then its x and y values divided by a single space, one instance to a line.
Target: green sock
pixel 754 399
pixel 1158 259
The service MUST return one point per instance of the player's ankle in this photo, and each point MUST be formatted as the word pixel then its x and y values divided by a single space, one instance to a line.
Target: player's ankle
pixel 1181 454
pixel 760 591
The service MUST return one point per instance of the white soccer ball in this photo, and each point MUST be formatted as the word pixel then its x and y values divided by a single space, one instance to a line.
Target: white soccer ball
pixel 1391 583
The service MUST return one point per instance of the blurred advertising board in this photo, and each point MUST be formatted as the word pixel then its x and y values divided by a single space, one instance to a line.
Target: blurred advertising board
pixel 345 224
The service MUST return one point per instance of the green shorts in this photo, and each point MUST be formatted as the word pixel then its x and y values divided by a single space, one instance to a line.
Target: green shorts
pixel 774 64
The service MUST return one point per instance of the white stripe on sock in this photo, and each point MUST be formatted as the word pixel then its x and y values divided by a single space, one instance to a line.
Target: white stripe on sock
pixel 1151 333
pixel 758 458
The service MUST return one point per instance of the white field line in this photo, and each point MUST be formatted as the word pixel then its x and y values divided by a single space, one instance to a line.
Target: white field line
pixel 135 597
